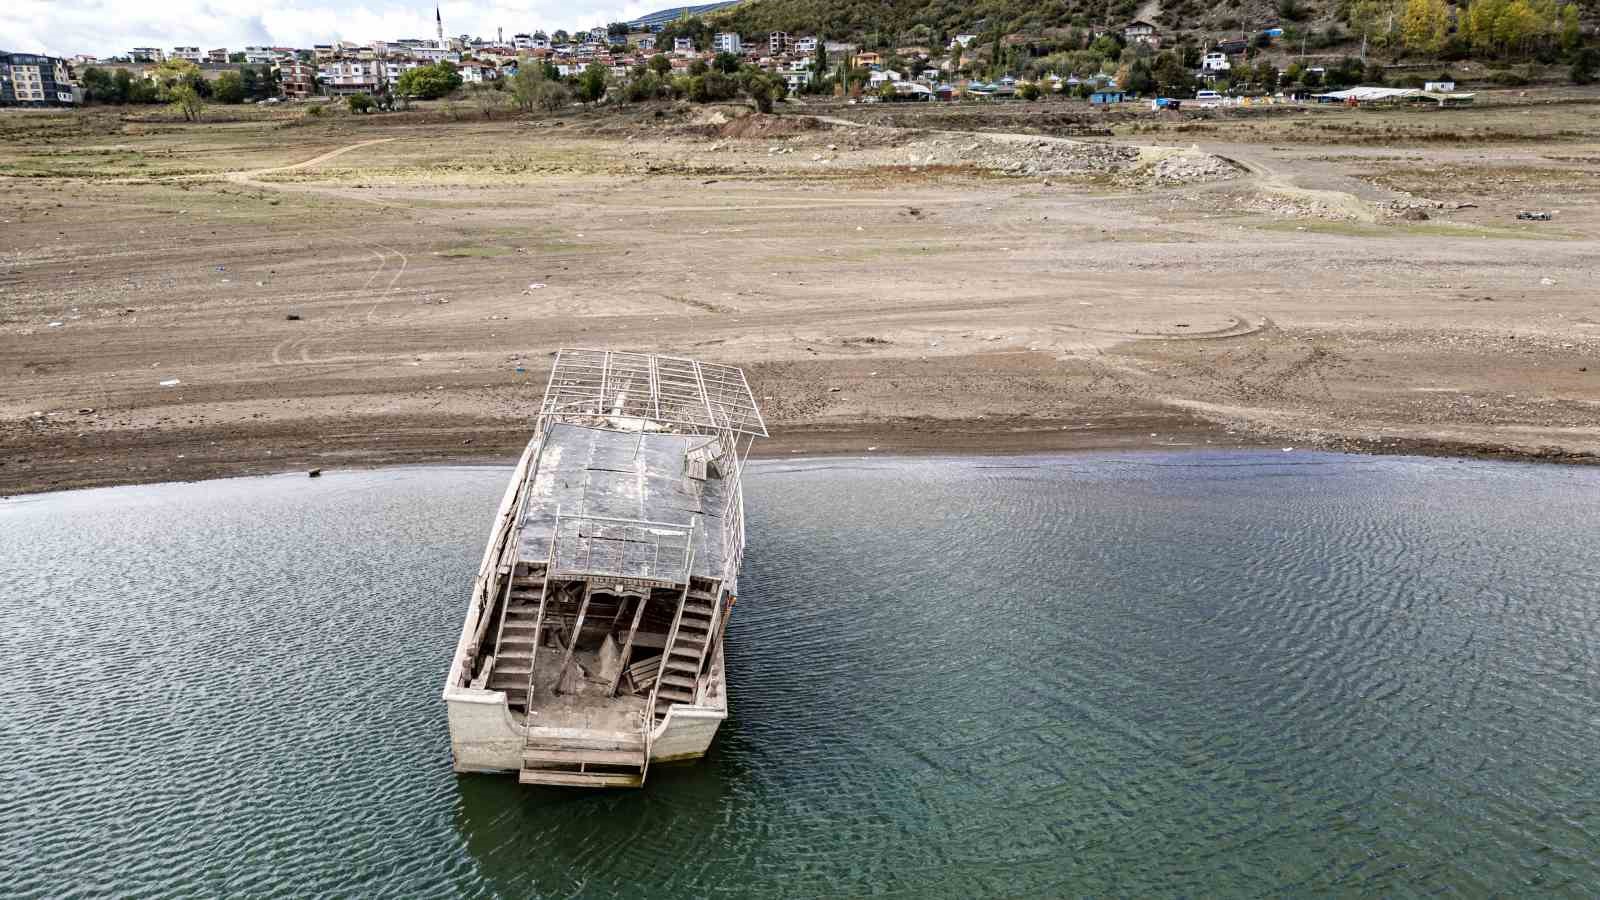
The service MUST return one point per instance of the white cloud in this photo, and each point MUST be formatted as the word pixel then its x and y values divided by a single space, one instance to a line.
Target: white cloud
pixel 107 27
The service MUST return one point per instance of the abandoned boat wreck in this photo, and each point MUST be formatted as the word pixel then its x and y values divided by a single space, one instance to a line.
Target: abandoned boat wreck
pixel 593 640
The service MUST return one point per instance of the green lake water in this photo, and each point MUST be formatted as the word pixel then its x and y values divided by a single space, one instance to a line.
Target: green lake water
pixel 1192 674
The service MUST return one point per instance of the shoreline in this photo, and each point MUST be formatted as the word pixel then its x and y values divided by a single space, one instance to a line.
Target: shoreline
pixel 143 458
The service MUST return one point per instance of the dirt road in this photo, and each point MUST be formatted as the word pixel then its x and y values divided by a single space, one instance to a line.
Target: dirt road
pixel 396 297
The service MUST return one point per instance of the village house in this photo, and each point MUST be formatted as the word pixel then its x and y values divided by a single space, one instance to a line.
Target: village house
pixel 296 80
pixel 778 42
pixel 394 68
pixel 868 58
pixel 343 77
pixel 806 45
pixel 475 71
pixel 726 42
pixel 683 45
pixel 961 40
pixel 217 57
pixel 1140 32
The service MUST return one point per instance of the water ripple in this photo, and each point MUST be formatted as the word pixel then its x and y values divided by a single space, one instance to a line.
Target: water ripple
pixel 1145 674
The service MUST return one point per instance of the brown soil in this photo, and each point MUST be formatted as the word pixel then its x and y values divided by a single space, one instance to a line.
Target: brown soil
pixel 880 306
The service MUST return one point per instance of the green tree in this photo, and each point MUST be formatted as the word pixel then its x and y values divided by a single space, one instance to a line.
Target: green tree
pixel 525 85
pixel 763 90
pixel 592 84
pixel 99 86
pixel 360 103
pixel 1138 79
pixel 1265 76
pixel 553 95
pixel 1028 92
pixel 1172 77
pixel 726 63
pixel 229 88
pixel 1425 26
pixel 1569 32
pixel 1374 20
pixel 185 99
pixel 1585 65
pixel 429 82
pixel 660 65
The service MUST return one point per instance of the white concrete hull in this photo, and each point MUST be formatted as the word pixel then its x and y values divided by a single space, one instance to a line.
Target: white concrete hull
pixel 484 737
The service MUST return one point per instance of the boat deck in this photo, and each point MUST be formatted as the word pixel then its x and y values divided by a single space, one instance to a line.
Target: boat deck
pixel 584 705
pixel 596 478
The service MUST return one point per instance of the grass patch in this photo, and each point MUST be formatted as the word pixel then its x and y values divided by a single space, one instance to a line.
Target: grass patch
pixel 1414 229
pixel 474 252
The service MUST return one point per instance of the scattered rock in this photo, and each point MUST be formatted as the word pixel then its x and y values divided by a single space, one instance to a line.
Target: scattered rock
pixel 292 317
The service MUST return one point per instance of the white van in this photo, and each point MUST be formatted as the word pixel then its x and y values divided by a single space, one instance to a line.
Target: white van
pixel 1204 96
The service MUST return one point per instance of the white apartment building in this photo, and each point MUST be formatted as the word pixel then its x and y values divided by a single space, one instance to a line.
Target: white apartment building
pixel 683 45
pixel 778 42
pixel 805 45
pixel 192 54
pixel 342 77
pixel 394 68
pixel 258 55
pixel 727 42
pixel 476 72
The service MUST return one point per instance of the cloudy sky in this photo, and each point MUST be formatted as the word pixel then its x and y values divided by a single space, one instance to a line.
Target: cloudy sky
pixel 106 27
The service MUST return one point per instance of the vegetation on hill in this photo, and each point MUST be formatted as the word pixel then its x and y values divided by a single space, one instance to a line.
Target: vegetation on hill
pixel 1013 32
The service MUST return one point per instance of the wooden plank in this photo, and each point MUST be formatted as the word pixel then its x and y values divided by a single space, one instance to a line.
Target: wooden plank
pixel 595 757
pixel 572 646
pixel 577 779
pixel 627 647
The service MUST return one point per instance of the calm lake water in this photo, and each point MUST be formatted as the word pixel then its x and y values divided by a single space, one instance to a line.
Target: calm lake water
pixel 1142 674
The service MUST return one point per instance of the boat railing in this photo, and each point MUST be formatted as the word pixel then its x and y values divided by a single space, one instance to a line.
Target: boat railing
pixel 622 548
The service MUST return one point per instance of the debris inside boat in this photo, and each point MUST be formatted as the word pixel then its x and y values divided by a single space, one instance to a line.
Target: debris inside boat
pixel 593 640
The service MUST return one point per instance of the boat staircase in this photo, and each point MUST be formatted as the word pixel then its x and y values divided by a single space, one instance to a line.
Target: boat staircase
pixel 519 637
pixel 688 645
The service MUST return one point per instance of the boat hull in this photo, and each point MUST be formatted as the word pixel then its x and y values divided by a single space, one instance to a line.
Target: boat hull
pixel 485 738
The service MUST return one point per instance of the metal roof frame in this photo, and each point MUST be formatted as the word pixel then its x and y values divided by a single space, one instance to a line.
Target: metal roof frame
pixel 670 390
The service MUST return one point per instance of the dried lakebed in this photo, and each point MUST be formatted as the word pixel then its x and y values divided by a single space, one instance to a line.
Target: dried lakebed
pixel 1132 674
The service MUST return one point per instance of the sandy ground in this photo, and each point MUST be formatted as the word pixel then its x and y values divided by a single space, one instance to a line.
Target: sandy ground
pixel 882 301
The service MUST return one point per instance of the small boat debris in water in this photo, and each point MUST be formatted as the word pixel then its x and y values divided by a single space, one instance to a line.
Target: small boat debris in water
pixel 593 641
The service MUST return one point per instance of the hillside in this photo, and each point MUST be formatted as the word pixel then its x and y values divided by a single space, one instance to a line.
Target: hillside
pixel 1499 32
pixel 934 21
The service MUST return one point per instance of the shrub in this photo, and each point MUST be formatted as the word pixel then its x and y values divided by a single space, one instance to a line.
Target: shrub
pixel 360 103
pixel 1029 92
pixel 1585 64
